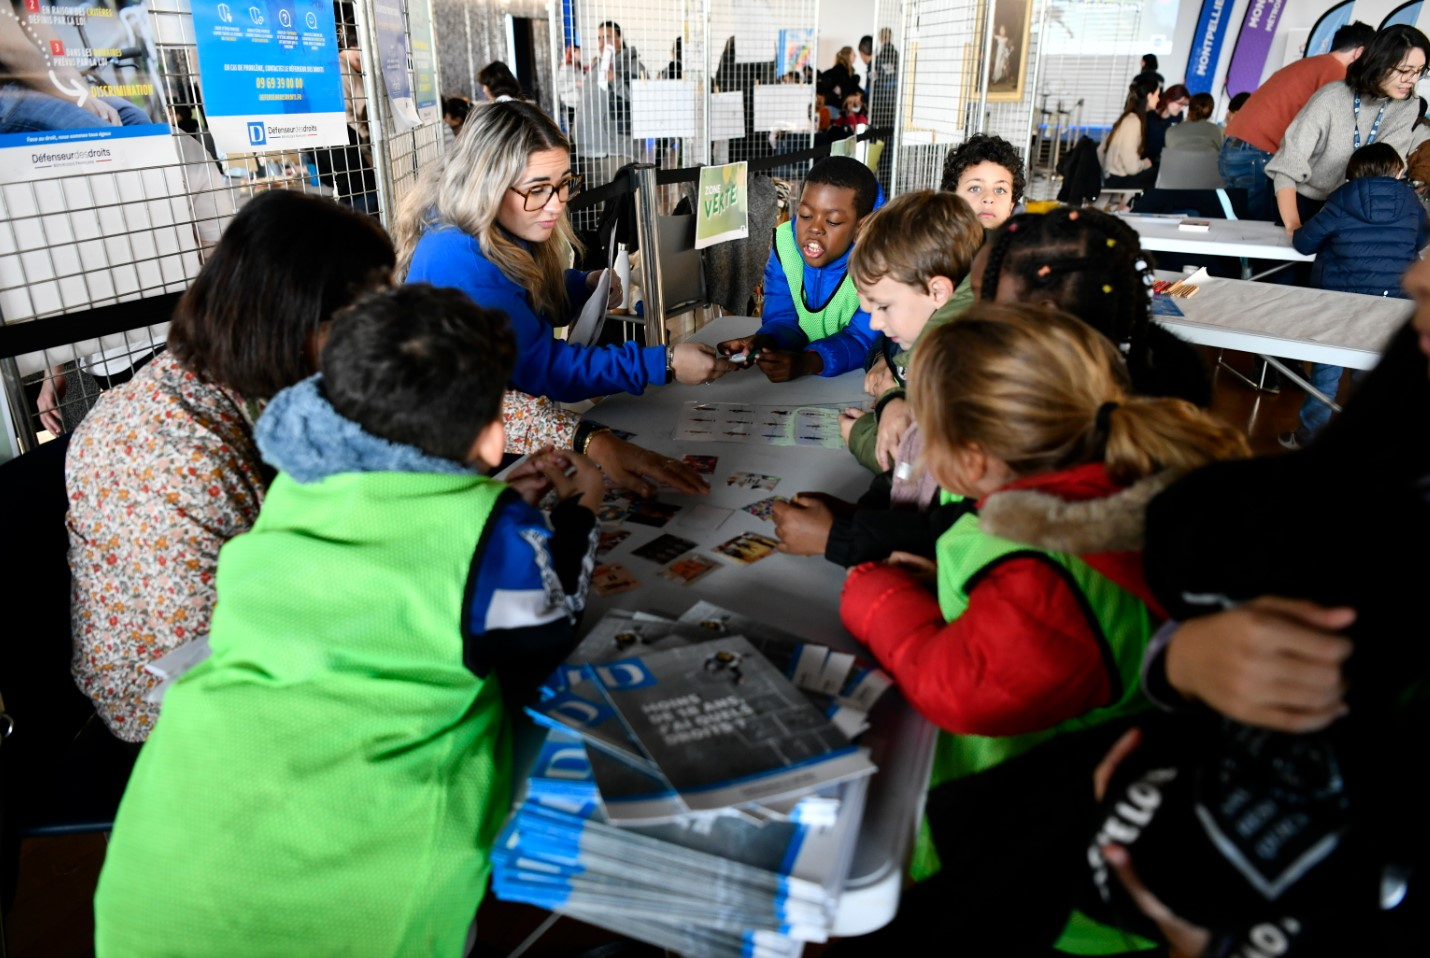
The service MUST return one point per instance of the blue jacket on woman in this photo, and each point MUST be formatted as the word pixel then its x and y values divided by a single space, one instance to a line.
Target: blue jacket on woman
pixel 1365 237
pixel 545 365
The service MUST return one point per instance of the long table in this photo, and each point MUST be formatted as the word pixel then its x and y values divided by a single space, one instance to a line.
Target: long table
pixel 1252 239
pixel 798 594
pixel 1290 322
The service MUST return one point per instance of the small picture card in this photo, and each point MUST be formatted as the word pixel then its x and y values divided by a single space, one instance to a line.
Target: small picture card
pixel 705 465
pixel 609 540
pixel 612 578
pixel 752 480
pixel 747 547
pixel 649 512
pixel 689 569
pixel 615 506
pixel 662 549
pixel 764 509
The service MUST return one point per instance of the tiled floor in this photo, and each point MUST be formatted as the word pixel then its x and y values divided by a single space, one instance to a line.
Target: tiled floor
pixel 51 917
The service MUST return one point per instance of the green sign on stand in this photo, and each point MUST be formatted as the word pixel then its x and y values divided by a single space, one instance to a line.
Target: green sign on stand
pixel 723 212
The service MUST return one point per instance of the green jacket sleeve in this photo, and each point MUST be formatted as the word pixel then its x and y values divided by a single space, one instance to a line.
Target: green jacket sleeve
pixel 862 441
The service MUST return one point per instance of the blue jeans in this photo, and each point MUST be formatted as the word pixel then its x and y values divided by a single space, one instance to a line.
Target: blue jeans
pixel 1243 167
pixel 25 110
pixel 1314 413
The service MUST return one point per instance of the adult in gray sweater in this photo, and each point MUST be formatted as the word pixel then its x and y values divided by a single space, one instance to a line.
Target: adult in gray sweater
pixel 1375 104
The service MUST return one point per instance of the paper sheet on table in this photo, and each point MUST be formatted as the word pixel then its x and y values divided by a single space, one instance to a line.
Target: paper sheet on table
pixel 760 424
pixel 588 325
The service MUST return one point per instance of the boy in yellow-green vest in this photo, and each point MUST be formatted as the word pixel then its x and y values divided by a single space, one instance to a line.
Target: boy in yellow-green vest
pixel 813 324
pixel 330 780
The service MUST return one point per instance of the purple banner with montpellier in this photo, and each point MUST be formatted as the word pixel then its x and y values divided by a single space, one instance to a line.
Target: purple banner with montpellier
pixel 1206 44
pixel 1253 43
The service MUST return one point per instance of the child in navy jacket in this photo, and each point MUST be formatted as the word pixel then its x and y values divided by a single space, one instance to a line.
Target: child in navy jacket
pixel 1368 233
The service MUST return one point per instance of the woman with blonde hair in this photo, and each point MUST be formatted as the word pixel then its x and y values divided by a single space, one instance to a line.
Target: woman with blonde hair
pixel 491 221
pixel 839 81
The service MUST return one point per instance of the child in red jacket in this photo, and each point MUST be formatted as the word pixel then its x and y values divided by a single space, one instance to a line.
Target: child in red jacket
pixel 1041 615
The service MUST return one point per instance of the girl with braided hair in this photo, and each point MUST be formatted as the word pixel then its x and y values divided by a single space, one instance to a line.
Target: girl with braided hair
pixel 1092 265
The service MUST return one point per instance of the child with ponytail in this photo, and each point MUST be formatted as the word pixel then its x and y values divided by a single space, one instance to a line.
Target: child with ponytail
pixel 1039 616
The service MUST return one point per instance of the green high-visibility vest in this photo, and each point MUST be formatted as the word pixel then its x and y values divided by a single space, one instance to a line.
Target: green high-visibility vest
pixel 1124 625
pixel 332 779
pixel 816 322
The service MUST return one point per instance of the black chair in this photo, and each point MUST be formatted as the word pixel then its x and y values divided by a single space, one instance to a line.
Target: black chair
pixel 61 771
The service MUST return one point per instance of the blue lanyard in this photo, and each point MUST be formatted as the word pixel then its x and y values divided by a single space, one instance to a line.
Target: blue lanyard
pixel 1374 128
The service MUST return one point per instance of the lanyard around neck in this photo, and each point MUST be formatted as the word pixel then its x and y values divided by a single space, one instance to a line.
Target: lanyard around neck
pixel 1374 128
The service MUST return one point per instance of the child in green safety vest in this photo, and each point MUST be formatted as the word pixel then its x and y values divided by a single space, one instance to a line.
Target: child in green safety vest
pixel 813 324
pixel 1034 619
pixel 331 779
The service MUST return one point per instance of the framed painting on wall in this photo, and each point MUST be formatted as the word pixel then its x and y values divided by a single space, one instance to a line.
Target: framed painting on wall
pixel 1007 66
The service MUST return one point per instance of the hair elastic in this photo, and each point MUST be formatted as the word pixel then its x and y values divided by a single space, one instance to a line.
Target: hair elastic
pixel 1111 243
pixel 1103 420
pixel 1072 217
pixel 1045 271
pixel 1106 288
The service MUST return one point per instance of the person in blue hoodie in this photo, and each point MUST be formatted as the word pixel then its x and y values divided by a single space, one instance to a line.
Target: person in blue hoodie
pixel 822 331
pixel 491 221
pixel 1368 233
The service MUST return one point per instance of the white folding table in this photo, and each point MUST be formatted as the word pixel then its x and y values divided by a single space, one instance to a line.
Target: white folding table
pixel 796 593
pixel 1245 239
pixel 1290 322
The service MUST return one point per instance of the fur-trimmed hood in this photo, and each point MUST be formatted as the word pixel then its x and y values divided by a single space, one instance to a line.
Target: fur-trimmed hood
pixel 1080 511
pixel 1060 517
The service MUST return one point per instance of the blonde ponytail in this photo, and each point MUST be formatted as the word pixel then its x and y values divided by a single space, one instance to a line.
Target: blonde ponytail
pixel 1146 436
pixel 1043 391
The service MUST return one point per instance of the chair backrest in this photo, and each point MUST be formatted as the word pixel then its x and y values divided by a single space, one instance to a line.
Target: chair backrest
pixel 682 268
pixel 1189 170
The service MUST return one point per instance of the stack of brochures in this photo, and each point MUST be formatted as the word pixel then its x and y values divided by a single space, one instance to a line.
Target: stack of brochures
pixel 698 788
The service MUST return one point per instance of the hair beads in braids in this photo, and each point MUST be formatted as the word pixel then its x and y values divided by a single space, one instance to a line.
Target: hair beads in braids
pixel 1092 265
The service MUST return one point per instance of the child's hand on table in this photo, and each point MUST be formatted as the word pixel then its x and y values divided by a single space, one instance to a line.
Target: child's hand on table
pixel 782 365
pixel 802 525
pixel 879 379
pixel 847 419
pixel 530 482
pixel 572 474
pixel 744 350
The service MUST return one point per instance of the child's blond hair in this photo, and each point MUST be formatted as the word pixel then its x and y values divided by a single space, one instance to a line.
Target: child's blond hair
pixel 1043 391
pixel 916 237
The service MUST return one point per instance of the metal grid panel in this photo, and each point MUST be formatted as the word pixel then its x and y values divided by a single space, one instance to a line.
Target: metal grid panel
pixel 409 152
pixel 1091 54
pixel 953 48
pixel 90 240
pixel 885 76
